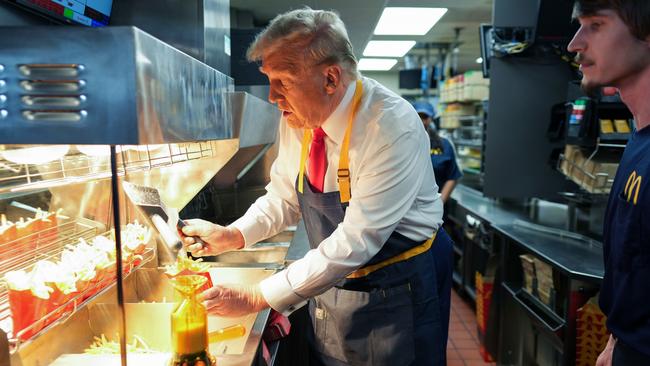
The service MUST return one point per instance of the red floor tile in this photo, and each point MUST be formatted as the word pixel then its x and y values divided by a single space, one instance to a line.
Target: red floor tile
pixel 478 363
pixel 455 363
pixel 461 335
pixel 466 344
pixel 470 354
pixel 453 355
pixel 463 346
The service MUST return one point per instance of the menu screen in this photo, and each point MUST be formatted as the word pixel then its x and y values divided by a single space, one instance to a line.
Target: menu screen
pixel 92 13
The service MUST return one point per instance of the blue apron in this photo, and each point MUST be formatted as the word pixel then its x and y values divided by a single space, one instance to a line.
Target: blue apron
pixel 391 316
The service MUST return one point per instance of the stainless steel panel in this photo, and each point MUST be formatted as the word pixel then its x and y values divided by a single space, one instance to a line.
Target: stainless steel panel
pixel 150 94
pixel 255 121
pixel 175 22
pixel 178 96
pixel 517 150
pixel 262 253
pixel 196 27
pixel 216 25
pixel 255 125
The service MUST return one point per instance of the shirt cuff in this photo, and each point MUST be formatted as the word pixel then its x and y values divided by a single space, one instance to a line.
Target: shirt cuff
pixel 249 228
pixel 278 293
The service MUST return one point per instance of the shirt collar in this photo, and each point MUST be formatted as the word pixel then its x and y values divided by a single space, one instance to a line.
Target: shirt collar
pixel 335 125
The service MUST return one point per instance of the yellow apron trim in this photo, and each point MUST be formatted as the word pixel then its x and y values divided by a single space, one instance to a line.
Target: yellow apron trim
pixel 362 272
pixel 303 156
pixel 343 173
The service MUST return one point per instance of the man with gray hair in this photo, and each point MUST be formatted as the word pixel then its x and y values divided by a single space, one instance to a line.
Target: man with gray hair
pixel 353 162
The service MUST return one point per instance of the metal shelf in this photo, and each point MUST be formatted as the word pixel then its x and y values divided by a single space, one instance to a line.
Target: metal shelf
pixel 470 118
pixel 535 308
pixel 469 157
pixel 458 280
pixel 469 143
pixel 77 167
pixel 23 253
pixel 471 171
pixel 471 128
pixel 601 182
pixel 471 292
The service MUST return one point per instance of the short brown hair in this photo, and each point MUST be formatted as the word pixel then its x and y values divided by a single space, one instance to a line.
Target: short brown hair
pixel 634 13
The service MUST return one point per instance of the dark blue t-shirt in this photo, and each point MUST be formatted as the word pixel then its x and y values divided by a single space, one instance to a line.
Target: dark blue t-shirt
pixel 625 294
pixel 444 163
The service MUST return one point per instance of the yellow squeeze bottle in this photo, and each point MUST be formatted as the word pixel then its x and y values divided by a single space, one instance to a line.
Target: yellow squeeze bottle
pixel 190 324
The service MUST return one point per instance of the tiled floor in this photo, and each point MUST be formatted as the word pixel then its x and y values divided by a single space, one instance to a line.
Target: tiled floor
pixel 463 348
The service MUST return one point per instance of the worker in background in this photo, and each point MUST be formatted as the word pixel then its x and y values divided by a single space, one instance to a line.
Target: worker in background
pixel 443 156
pixel 446 173
pixel 613 49
pixel 354 163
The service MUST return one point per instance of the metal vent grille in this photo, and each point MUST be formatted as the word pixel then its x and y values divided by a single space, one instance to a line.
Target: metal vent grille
pixel 52 92
pixel 3 94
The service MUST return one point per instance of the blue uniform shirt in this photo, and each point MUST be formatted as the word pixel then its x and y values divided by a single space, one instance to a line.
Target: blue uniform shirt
pixel 444 163
pixel 625 293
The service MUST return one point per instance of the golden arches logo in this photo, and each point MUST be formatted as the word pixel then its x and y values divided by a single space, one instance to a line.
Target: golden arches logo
pixel 632 187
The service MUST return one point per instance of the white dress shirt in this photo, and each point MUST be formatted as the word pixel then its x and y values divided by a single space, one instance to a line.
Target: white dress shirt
pixel 392 185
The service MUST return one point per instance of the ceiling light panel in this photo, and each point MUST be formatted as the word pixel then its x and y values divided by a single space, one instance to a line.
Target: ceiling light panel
pixel 376 64
pixel 388 48
pixel 408 21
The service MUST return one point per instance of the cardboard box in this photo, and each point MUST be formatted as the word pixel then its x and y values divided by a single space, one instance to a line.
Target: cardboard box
pixel 591 333
pixel 528 266
pixel 595 173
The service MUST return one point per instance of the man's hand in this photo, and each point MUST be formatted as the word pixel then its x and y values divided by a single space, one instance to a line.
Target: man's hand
pixel 605 357
pixel 234 300
pixel 218 239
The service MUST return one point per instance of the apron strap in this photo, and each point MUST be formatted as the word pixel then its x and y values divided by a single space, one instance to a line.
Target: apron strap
pixel 343 173
pixel 304 151
pixel 364 271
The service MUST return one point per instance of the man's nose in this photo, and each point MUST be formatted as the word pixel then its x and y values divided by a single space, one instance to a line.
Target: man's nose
pixel 274 96
pixel 577 44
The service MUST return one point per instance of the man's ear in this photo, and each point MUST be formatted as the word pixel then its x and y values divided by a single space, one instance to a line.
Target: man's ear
pixel 333 75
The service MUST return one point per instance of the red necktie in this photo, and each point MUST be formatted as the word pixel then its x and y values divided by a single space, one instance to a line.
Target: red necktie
pixel 317 160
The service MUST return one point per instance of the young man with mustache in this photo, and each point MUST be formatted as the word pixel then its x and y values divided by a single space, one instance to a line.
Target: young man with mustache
pixel 613 49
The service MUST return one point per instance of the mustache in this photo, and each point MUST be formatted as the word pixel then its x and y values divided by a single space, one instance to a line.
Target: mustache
pixel 581 59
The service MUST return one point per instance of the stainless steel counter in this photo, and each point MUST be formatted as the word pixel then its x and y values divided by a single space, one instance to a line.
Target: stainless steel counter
pixel 485 208
pixel 577 258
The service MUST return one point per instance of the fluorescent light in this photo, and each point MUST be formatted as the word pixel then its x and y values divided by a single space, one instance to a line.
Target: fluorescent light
pixel 408 21
pixel 388 48
pixel 479 60
pixel 376 64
